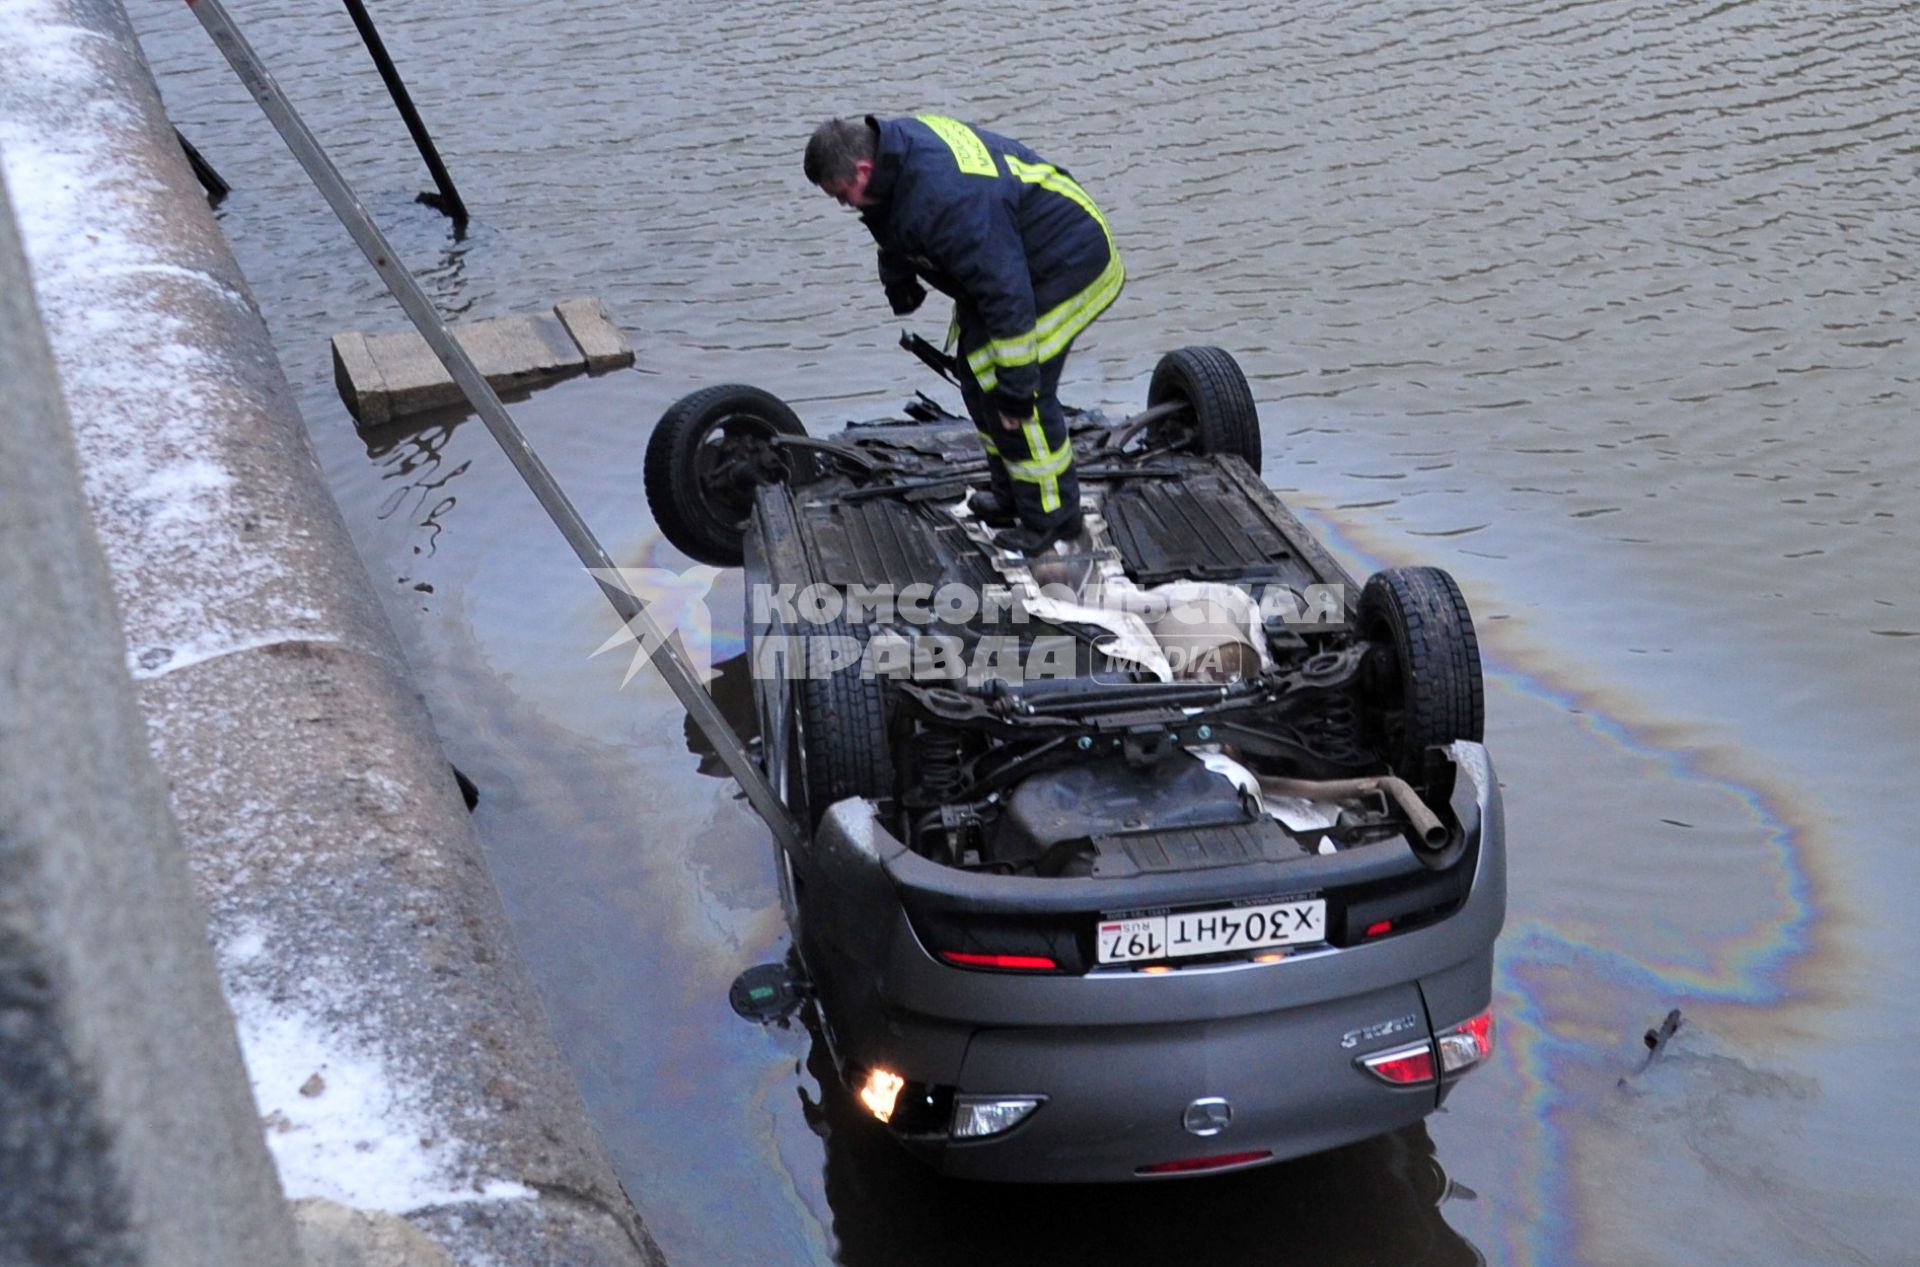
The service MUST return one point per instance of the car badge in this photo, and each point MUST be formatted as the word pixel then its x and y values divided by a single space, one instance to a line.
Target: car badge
pixel 1368 1033
pixel 1208 1116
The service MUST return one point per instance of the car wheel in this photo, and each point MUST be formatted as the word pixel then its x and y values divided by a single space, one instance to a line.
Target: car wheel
pixel 708 453
pixel 842 724
pixel 1423 682
pixel 1220 415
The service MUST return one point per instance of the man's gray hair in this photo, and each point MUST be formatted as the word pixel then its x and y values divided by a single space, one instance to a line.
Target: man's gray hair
pixel 836 146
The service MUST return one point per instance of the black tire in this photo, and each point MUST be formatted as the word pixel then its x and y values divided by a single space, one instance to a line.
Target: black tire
pixel 1221 415
pixel 843 730
pixel 1423 685
pixel 707 454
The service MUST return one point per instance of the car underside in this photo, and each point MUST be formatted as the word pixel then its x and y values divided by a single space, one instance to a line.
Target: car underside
pixel 1173 814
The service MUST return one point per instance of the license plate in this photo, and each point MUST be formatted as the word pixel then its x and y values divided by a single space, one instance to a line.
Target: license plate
pixel 1212 932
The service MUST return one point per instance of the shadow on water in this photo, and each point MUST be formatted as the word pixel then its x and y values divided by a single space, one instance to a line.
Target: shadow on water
pixel 732 690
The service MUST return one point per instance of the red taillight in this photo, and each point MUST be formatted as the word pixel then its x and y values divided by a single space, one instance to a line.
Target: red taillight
pixel 1188 1165
pixel 1403 1066
pixel 1382 926
pixel 1008 963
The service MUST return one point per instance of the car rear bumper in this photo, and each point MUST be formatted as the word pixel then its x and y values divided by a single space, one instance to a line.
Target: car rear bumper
pixel 1117 1099
pixel 1120 1055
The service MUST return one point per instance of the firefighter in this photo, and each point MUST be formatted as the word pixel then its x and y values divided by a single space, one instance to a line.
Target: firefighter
pixel 1029 262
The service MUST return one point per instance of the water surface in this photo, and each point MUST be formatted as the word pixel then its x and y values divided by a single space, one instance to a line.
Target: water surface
pixel 1602 306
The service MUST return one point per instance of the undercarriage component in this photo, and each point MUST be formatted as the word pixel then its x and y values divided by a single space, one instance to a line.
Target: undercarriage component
pixel 1427 827
pixel 1107 798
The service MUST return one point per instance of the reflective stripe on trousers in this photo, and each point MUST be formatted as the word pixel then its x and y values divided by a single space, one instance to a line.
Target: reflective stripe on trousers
pixel 1032 465
pixel 1051 458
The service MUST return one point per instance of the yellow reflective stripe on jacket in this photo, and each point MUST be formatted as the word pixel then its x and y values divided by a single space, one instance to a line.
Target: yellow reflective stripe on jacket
pixel 969 151
pixel 999 354
pixel 1009 352
pixel 1046 466
pixel 986 442
pixel 1060 325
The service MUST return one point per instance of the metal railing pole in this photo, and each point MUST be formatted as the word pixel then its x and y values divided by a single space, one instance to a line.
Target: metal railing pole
pixel 449 199
pixel 667 659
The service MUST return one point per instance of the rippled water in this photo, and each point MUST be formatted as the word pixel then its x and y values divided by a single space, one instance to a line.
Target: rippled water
pixel 1603 306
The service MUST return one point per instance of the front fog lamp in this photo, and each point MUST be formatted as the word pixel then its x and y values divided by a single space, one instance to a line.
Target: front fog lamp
pixel 978 1116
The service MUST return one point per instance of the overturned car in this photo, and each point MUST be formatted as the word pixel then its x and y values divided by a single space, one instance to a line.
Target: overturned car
pixel 1170 851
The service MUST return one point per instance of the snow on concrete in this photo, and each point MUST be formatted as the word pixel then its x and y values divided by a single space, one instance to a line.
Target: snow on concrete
pixel 155 392
pixel 341 1127
pixel 78 165
pixel 341 1120
pixel 212 643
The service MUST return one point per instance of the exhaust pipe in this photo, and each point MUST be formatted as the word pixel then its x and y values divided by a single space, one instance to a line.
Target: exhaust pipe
pixel 1427 827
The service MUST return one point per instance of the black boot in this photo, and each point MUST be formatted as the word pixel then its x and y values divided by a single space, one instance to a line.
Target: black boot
pixel 991 509
pixel 1031 541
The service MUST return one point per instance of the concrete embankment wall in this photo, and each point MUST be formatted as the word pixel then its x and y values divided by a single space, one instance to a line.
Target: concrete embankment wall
pixel 398 1056
pixel 121 1084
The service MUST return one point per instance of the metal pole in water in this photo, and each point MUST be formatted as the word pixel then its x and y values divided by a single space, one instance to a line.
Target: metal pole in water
pixel 668 658
pixel 449 197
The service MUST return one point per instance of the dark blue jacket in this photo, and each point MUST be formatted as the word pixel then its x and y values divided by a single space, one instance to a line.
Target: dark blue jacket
pixel 1012 238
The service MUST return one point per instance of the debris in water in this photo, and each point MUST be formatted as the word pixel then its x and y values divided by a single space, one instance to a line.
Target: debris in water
pixel 1656 1041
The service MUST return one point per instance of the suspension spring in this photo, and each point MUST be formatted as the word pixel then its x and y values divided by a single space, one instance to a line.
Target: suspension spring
pixel 937 762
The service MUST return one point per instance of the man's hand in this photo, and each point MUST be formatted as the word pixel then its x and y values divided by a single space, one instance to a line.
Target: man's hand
pixel 905 296
pixel 1015 410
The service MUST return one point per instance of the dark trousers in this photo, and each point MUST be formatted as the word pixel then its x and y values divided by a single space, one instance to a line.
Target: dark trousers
pixel 1032 465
